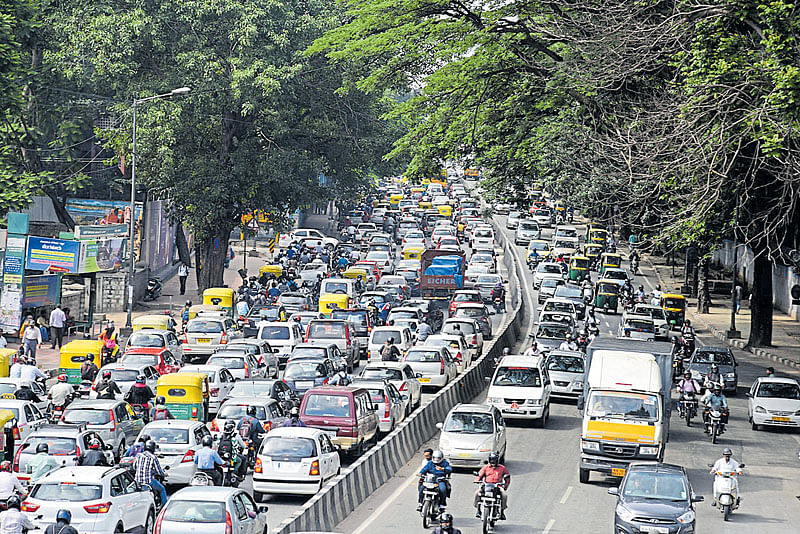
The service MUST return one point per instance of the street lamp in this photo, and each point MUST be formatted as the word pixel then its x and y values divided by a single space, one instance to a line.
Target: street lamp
pixel 136 101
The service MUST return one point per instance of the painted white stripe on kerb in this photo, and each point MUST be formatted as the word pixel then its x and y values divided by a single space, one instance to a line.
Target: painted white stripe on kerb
pixel 382 508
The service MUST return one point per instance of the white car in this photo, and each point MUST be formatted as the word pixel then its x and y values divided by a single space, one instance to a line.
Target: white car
pixel 269 412
pixel 470 329
pixel 520 388
pixel 220 383
pixel 639 327
pixel 656 313
pixel 482 258
pixel 176 440
pixel 401 375
pixel 390 406
pixel 310 236
pixel 774 401
pixel 27 415
pixel 281 335
pixel 457 346
pixel 435 365
pixel 482 238
pixel 513 220
pixel 150 338
pixel 470 433
pixel 550 270
pixel 212 510
pixel 383 259
pixel 240 364
pixel 380 334
pixel 101 500
pixel 294 460
pixel 10 385
pixel 309 271
pixel 124 374
pixel 415 238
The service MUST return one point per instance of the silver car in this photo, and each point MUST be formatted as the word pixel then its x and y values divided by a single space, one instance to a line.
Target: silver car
pixel 527 230
pixel 212 510
pixel 124 374
pixel 156 339
pixel 113 420
pixel 176 442
pixel 207 334
pixel 471 432
pixel 566 369
pixel 435 365
pixel 390 406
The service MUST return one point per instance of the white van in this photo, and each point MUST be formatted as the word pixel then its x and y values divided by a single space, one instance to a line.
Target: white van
pixel 281 335
pixel 403 340
pixel 521 388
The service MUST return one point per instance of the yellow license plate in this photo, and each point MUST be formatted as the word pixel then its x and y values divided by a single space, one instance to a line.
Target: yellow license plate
pixel 617 472
pixel 203 340
pixel 464 455
pixel 424 380
pixel 781 419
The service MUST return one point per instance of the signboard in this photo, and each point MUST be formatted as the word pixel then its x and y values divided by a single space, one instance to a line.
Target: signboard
pixel 86 211
pixel 46 252
pixel 13 274
pixel 97 231
pixel 14 265
pixel 41 290
pixel 101 255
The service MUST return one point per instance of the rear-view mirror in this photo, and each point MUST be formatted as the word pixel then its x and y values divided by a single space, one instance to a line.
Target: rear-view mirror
pixel 697 498
pixel 263 509
pixel 439 426
pixel 613 491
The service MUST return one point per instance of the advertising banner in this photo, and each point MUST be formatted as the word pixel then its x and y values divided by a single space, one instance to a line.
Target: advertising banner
pixel 101 254
pixel 41 290
pixel 13 271
pixel 99 231
pixel 45 253
pixel 14 265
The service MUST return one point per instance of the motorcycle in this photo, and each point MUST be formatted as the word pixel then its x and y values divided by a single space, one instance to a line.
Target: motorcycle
pixel 687 407
pixel 687 344
pixel 635 266
pixel 229 478
pixel 677 367
pixel 430 500
pixel 153 290
pixel 84 388
pixel 726 488
pixel 490 505
pixel 56 412
pixel 715 424
pixel 499 304
pixel 142 411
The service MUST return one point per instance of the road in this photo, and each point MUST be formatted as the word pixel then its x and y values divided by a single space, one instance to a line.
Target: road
pixel 545 495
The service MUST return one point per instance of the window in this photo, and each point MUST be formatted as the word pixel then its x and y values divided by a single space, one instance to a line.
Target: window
pixel 117 487
pixel 28 413
pixel 128 483
pixel 121 413
pixel 249 505
pixel 239 508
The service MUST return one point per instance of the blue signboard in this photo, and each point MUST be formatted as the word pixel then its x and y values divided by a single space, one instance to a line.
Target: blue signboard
pixel 41 290
pixel 45 253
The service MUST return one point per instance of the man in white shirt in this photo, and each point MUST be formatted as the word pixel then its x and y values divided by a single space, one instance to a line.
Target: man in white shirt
pixel 57 320
pixel 726 464
pixel 533 350
pixel 183 275
pixel 9 482
pixel 31 372
pixel 31 338
pixel 12 521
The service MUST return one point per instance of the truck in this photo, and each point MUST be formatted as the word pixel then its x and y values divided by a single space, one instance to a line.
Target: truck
pixel 626 405
pixel 442 273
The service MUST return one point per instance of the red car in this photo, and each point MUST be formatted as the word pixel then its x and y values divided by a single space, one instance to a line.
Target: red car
pixel 464 297
pixel 160 358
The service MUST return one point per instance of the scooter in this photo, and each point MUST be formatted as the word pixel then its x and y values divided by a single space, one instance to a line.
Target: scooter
pixel 153 290
pixel 726 488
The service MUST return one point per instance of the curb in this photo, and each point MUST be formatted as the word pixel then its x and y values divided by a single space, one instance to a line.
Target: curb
pixel 737 343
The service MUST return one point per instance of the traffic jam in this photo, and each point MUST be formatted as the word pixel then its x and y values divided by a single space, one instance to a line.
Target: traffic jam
pixel 265 391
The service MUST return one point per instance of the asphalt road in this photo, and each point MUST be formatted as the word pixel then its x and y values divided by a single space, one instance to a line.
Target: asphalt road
pixel 545 495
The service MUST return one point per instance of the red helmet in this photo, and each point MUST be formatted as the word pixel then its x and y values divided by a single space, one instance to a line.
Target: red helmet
pixel 62 377
pixel 94 444
pixel 5 466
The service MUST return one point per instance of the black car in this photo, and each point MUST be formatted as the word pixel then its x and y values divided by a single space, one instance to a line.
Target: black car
pixel 655 497
pixel 274 388
pixel 704 357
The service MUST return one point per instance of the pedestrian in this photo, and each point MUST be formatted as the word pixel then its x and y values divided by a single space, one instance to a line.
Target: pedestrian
pixel 183 275
pixel 57 322
pixel 31 337
pixel 737 296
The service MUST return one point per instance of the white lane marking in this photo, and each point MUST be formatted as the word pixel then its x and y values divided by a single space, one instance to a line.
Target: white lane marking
pixel 566 495
pixel 549 526
pixel 382 508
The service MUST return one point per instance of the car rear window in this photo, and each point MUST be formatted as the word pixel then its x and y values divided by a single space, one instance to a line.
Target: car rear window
pixel 89 416
pixel 318 405
pixel 380 337
pixel 195 512
pixel 327 331
pixel 204 327
pixel 311 352
pixel 300 370
pixel 469 312
pixel 169 436
pixel 67 491
pixel 383 374
pixel 274 332
pixel 423 356
pixel 58 446
pixel 285 448
pixel 466 297
pixel 229 362
pixel 238 411
pixel 253 388
pixel 377 395
pixel 140 359
pixel 142 339
pixel 124 375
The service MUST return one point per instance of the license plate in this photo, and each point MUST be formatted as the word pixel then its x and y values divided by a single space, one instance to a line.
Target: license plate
pixel 305 383
pixel 464 455
pixel 781 419
pixel 424 380
pixel 513 410
pixel 330 433
pixel 620 472
pixel 654 530
pixel 203 340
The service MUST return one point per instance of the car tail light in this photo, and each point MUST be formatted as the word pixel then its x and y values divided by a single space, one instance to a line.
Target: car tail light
pixel 308 332
pixel 459 357
pixel 101 508
pixel 16 460
pixel 228 523
pixel 314 468
pixel 214 392
pixel 16 433
pixel 194 411
pixel 159 519
pixel 188 457
pixel 386 408
pixel 441 366
pixel 185 340
pixel 214 427
pixel 113 420
pixel 403 386
pixel 224 339
pixel 29 507
pixel 349 431
pixel 246 370
pixel 259 468
pixel 475 339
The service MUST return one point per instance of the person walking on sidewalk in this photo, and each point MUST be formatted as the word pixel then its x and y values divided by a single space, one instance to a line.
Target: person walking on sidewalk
pixel 737 296
pixel 31 338
pixel 183 275
pixel 57 320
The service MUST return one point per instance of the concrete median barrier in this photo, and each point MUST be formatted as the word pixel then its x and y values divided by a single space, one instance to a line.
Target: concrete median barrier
pixel 339 497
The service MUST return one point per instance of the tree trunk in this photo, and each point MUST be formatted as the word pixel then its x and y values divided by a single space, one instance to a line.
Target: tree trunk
pixel 210 258
pixel 761 301
pixel 183 247
pixel 703 295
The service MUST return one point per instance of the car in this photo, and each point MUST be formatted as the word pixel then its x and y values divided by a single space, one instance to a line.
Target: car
pixel 164 361
pixel 435 365
pixel 482 238
pixel 405 312
pixel 401 375
pixel 411 277
pixel 456 344
pixel 541 247
pixel 113 420
pixel 281 335
pixel 207 334
pixel 702 358
pixel 240 364
pixel 542 217
pixel 383 259
pixel 302 374
pixel 269 413
pixel 310 236
pixel 273 388
pixel 177 441
pixel 380 334
pixel 637 327
pixel 155 339
pixel 220 383
pixel 566 369
pixel 303 318
pixel 548 288
pixel 483 258
pixel 294 460
pixel 415 238
pixel 470 433
pixel 389 404
pixel 550 335
pixel 561 305
pixel 575 294
pixel 295 301
pixel 125 374
pixel 656 313
pixel 512 221
pixel 215 509
pixel 471 331
pixel 558 317
pixel 345 413
pixel 620 276
pixel 28 417
pixel 320 351
pixel 362 325
pixel 464 296
pixel 520 388
pixel 479 313
pixel 654 494
pixel 338 331
pixel 261 349
pixel 550 270
pixel 100 499
pixel 527 230
pixel 774 401
pixel 260 314
pixel 8 386
pixel 309 271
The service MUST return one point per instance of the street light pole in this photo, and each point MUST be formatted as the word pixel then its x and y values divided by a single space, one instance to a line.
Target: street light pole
pixel 132 217
pixel 732 333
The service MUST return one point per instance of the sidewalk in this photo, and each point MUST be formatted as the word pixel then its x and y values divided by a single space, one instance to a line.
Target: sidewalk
pixel 785 347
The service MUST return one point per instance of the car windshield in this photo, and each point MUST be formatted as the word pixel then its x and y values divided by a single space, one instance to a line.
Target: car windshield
pixel 481 258
pixel 143 339
pixel 527 377
pixel 568 292
pixel 549 269
pixel 777 390
pixel 564 363
pixel 379 337
pixel 318 405
pixel 537 245
pixel 287 448
pixel 552 332
pixel 404 314
pixel 327 331
pixel 124 375
pixel 195 512
pixel 469 423
pixel 639 325
pixel 139 359
pixel 169 436
pixel 229 362
pixel 528 226
pixel 87 415
pixel 617 405
pixel 274 332
pixel 676 304
pixel 656 486
pixel 231 410
pixel 550 282
pixel 357 318
pixel 555 317
pixel 466 328
pixel 204 327
pixel 423 356
pixel 67 491
pixel 488 280
pixel 57 446
pixel 241 389
pixel 334 287
pixel 292 299
pixel 382 374
pixel 615 275
pixel 563 307
pixel 469 312
pixel 300 370
pixel 709 356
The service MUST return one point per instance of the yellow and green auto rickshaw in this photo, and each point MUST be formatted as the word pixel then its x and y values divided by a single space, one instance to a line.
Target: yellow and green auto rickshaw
pixel 413 253
pixel 219 296
pixel 593 226
pixel 274 269
pixel 154 322
pixel 186 395
pixel 445 209
pixel 606 295
pixel 330 301
pixel 674 307
pixel 6 357
pixel 598 235
pixel 609 260
pixel 425 204
pixel 354 273
pixel 592 251
pixel 395 199
pixel 8 435
pixel 578 268
pixel 73 355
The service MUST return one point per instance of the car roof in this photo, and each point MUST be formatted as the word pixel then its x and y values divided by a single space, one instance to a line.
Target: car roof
pixel 205 493
pixel 176 423
pixel 656 467
pixel 470 305
pixel 386 365
pixel 79 474
pixel 248 341
pixel 94 404
pixel 316 345
pixel 199 368
pixel 296 431
pixel 250 399
pixel 153 331
pixel 560 300
pixel 368 383
pixel 482 408
pixel 518 360
pixel 228 354
pixel 120 366
pixel 13 402
pixel 777 380
pixel 58 430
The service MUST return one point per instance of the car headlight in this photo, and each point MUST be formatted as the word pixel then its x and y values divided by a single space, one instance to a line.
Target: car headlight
pixel 577 384
pixel 444 443
pixel 624 514
pixel 487 446
pixel 648 450
pixel 759 409
pixel 590 445
pixel 494 400
pixel 688 517
pixel 730 375
pixel 535 402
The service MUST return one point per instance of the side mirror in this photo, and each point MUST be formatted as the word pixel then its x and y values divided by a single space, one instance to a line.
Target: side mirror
pixel 748 394
pixel 418 375
pixel 263 509
pixel 697 498
pixel 613 491
pixel 580 402
pixel 274 351
pixel 439 426
pixel 109 447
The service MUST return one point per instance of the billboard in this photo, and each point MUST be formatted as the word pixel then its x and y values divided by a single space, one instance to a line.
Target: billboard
pixel 49 254
pixel 41 290
pixel 101 254
pixel 99 231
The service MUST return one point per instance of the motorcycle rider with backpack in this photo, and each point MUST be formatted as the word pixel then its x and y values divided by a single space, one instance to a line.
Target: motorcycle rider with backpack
pixel 107 389
pixel 250 428
pixel 140 394
pixel 231 445
pixel 160 411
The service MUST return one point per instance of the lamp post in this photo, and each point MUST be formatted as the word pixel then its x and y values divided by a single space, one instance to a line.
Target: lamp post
pixel 132 218
pixel 732 333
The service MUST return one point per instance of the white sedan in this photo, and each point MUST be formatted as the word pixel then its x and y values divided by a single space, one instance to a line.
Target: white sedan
pixel 176 440
pixel 774 401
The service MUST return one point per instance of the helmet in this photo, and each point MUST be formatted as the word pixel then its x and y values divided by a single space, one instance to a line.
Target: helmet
pixel 230 426
pixel 587 278
pixel 438 456
pixel 688 374
pixel 390 341
pixel 62 377
pixel 94 444
pixel 13 502
pixel 5 466
pixel 658 287
pixel 207 441
pixel 43 447
pixel 251 410
pixel 150 445
pixel 140 379
pixel 717 388
pixel 494 459
pixel 144 438
pixel 727 452
pixel 64 515
pixel 687 322
pixel 446 521
pixel 714 367
pixel 499 285
pixel 294 412
pixel 161 400
pixel 188 302
pixel 506 351
pixel 106 374
pixel 591 312
pixel 641 287
pixel 89 357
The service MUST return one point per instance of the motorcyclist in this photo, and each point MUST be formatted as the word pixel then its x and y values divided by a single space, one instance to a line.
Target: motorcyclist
pixel 231 445
pixel 641 294
pixel 499 295
pixel 687 386
pixel 242 308
pixel 12 521
pixel 726 464
pixel 160 412
pixel 89 369
pixel 61 393
pixel 714 376
pixel 533 350
pixel 185 313
pixel 9 483
pixel 493 473
pixel 583 340
pixel 389 352
pixel 715 401
pixel 687 337
pixel 137 447
pixel 294 418
pixel 687 328
pixel 568 344
pixel 423 331
pixel 441 469
pixel 42 463
pixel 94 455
pixel 107 389
pixel 147 468
pixel 250 428
pixel 62 524
pixel 110 342
pixel 446 525
pixel 627 289
pixel 140 394
pixel 207 460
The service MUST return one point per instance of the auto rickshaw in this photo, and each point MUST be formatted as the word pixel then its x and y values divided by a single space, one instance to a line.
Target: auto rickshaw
pixel 219 296
pixel 276 270
pixel 606 295
pixel 186 395
pixel 7 435
pixel 593 226
pixel 394 200
pixel 610 260
pixel 6 357
pixel 578 268
pixel 73 355
pixel 445 209
pixel 154 322
pixel 329 301
pixel 413 253
pixel 354 273
pixel 425 204
pixel 674 307
pixel 592 251
pixel 598 235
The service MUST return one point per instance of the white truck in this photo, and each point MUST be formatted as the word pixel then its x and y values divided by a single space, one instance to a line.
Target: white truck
pixel 626 405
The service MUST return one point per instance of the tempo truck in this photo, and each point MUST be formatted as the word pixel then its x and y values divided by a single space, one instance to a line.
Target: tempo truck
pixel 626 405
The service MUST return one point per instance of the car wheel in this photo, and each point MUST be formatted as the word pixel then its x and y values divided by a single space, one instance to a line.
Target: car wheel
pixel 258 496
pixel 118 529
pixel 755 426
pixel 121 450
pixel 583 476
pixel 149 522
